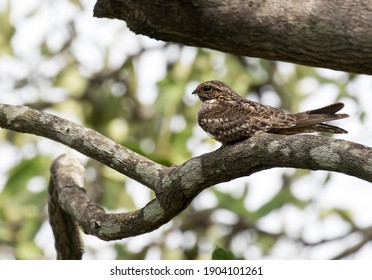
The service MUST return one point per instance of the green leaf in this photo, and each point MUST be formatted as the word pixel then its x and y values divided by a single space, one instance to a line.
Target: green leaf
pixel 223 254
pixel 23 172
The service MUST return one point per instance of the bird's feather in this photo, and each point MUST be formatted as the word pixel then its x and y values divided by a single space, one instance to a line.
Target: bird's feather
pixel 230 118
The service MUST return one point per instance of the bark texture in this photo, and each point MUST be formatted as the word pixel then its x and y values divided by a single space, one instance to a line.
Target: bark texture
pixel 67 173
pixel 177 186
pixel 334 34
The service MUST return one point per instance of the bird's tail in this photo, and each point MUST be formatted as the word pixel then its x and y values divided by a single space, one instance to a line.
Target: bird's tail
pixel 312 120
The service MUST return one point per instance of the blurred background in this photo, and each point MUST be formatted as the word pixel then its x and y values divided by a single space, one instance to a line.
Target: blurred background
pixel 56 57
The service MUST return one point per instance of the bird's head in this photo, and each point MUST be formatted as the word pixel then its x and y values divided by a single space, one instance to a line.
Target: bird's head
pixel 214 90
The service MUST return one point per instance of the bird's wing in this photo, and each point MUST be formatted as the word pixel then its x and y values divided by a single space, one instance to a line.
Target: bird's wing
pixel 263 116
pixel 329 109
pixel 304 119
pixel 324 114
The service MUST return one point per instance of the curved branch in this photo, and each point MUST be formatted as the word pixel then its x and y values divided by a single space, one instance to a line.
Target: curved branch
pixel 84 140
pixel 68 243
pixel 184 182
pixel 333 34
pixel 176 187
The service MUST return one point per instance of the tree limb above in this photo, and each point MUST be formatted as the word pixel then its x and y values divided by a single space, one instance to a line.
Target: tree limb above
pixel 331 34
pixel 176 187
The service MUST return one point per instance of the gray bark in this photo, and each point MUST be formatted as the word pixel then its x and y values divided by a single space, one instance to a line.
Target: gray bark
pixel 334 34
pixel 177 186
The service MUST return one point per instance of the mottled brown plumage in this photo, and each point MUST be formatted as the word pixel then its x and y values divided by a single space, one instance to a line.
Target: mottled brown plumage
pixel 228 118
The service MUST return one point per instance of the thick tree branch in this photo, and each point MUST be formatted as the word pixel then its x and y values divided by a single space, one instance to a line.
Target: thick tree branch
pixel 84 140
pixel 333 34
pixel 176 187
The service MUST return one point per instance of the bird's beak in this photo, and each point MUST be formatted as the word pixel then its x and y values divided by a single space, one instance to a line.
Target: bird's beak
pixel 194 92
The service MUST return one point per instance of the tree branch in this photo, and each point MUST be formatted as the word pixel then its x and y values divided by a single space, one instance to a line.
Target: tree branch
pixel 365 238
pixel 84 140
pixel 332 34
pixel 67 174
pixel 176 187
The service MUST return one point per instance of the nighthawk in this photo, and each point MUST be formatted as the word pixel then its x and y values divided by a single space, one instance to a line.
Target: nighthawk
pixel 228 118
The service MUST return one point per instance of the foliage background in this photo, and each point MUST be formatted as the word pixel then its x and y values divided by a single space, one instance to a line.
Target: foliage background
pixel 55 57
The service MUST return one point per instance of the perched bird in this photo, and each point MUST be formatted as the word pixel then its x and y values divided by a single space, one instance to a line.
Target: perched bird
pixel 228 118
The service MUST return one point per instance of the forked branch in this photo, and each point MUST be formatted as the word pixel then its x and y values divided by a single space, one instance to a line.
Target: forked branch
pixel 174 187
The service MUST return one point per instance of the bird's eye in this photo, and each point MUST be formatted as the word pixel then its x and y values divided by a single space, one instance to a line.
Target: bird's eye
pixel 207 88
